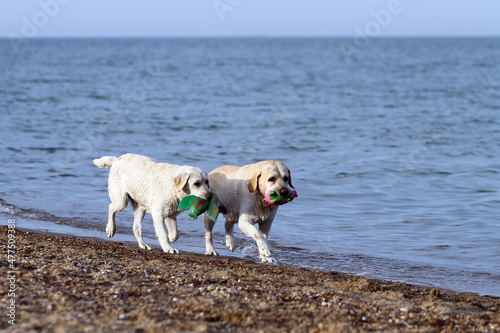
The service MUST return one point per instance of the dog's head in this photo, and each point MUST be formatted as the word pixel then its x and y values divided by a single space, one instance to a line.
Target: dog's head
pixel 193 181
pixel 271 176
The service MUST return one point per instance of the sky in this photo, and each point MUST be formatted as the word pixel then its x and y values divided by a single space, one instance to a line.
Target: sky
pixel 207 18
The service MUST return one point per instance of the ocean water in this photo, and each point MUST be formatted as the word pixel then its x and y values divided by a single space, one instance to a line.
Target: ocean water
pixel 393 148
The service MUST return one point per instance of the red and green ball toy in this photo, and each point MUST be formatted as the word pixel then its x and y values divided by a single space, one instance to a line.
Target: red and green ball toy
pixel 274 199
pixel 198 206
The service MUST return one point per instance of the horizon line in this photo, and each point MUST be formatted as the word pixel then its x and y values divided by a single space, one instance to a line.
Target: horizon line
pixel 240 36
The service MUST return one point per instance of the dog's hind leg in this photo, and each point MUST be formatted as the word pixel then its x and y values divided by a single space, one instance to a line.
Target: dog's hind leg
pixel 119 201
pixel 139 213
pixel 209 226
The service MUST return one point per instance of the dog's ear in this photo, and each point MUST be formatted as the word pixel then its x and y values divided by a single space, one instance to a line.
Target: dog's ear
pixel 253 183
pixel 290 178
pixel 180 181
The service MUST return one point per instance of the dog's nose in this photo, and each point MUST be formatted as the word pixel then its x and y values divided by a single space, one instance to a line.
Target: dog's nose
pixel 210 196
pixel 283 192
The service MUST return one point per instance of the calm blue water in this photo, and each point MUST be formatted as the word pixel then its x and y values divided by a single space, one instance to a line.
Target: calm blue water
pixel 393 151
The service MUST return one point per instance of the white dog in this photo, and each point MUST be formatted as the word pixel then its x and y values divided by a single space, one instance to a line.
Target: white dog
pixel 156 188
pixel 239 192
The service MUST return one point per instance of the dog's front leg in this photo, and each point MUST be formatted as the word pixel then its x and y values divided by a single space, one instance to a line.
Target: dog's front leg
pixel 265 227
pixel 247 227
pixel 171 223
pixel 162 234
pixel 209 226
pixel 229 235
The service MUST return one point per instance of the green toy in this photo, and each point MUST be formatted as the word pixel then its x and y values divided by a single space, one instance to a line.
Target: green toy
pixel 274 199
pixel 198 206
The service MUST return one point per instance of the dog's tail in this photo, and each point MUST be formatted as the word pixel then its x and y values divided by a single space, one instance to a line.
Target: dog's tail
pixel 105 161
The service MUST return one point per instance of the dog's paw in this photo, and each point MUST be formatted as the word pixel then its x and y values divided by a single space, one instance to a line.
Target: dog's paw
pixel 211 253
pixel 266 259
pixel 110 231
pixel 230 243
pixel 263 249
pixel 171 250
pixel 145 246
pixel 173 238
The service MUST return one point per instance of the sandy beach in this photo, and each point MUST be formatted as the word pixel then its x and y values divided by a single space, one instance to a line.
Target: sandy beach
pixel 70 284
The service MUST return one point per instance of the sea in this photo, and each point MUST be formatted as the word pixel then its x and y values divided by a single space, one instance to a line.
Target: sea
pixel 393 144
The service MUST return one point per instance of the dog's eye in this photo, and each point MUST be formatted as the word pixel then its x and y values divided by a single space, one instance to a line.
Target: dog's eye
pixel 272 179
pixel 197 184
pixel 285 179
pixel 208 184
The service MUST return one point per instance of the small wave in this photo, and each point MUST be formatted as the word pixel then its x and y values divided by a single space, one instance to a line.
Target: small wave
pixel 52 150
pixel 485 191
pixel 66 175
pixel 98 97
pixel 41 215
pixel 248 250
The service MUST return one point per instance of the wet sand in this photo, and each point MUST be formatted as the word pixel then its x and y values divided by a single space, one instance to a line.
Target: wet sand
pixel 69 284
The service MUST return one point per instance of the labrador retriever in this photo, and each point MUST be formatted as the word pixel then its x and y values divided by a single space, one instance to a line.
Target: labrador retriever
pixel 240 193
pixel 156 188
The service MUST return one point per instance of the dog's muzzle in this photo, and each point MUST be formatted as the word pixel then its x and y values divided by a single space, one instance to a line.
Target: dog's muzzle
pixel 210 196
